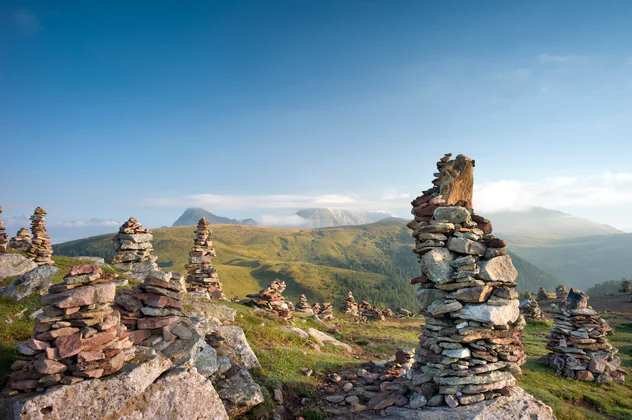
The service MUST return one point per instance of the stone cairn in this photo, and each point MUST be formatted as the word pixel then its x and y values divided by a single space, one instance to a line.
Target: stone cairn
pixel 388 313
pixel 326 311
pixel 40 250
pixel 369 313
pixel 153 310
pixel 626 287
pixel 561 292
pixel 578 344
pixel 542 294
pixel 3 236
pixel 530 308
pixel 271 299
pixel 133 249
pixel 201 274
pixel 349 306
pixel 303 306
pixel 21 241
pixel 471 343
pixel 77 336
pixel 403 313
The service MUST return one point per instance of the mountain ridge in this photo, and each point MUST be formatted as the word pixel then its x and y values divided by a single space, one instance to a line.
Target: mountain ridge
pixel 192 215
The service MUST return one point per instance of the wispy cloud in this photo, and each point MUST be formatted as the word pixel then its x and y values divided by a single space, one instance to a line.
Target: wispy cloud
pixel 27 22
pixel 291 220
pixel 554 58
pixel 87 223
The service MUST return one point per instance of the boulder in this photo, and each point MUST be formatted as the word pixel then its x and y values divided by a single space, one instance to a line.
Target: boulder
pixel 497 315
pixel 179 393
pixel 241 353
pixel 322 338
pixel 435 264
pixel 467 246
pixel 452 214
pixel 498 269
pixel 12 264
pixel 427 296
pixel 37 280
pixel 238 391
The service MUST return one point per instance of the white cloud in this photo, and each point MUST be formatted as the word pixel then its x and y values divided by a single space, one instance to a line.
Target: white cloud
pixel 292 220
pixel 555 58
pixel 87 223
pixel 26 21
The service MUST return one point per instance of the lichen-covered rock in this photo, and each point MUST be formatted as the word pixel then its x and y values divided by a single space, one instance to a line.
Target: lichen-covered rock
pixel 236 343
pixel 37 280
pixel 321 338
pixel 498 269
pixel 12 264
pixel 238 391
pixel 507 312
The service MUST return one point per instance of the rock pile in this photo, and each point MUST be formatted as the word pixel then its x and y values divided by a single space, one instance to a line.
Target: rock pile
pixel 40 250
pixel 133 249
pixel 349 306
pixel 3 236
pixel 578 344
pixel 152 311
pixel 403 313
pixel 201 274
pixel 271 299
pixel 542 294
pixel 369 313
pixel 303 306
pixel 529 308
pixel 561 292
pixel 21 241
pixel 326 311
pixel 388 313
pixel 471 343
pixel 78 335
pixel 626 287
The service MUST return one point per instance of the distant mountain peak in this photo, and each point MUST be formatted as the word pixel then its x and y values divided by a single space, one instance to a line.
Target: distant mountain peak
pixel 318 217
pixel 192 215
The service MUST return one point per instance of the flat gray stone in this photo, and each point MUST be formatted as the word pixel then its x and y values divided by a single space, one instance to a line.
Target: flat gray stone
pixel 435 264
pixel 498 269
pixel 37 280
pixel 495 314
pixel 12 264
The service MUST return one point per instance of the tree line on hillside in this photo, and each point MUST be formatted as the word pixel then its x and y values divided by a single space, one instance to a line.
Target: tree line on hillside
pixel 605 287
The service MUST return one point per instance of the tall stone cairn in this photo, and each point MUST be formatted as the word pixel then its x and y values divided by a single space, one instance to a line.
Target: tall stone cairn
pixel 21 241
pixel 201 274
pixel 133 249
pixel 561 292
pixel 4 238
pixel 303 305
pixel 40 250
pixel 578 345
pixel 471 344
pixel 349 306
pixel 153 310
pixel 77 336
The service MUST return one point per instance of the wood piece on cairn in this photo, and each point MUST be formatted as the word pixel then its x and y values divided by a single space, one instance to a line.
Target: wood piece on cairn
pixel 40 250
pixel 3 236
pixel 21 241
pixel 303 306
pixel 133 249
pixel 77 336
pixel 201 275
pixel 471 344
pixel 271 299
pixel 349 306
pixel 578 345
pixel 561 292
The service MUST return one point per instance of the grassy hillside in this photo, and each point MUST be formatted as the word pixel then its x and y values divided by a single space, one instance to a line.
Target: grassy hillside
pixel 375 260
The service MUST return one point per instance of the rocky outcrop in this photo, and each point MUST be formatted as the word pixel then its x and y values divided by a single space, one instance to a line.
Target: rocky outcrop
pixel 321 338
pixel 271 299
pixel 21 241
pixel 201 275
pixel 349 306
pixel 4 238
pixel 471 344
pixel 13 264
pixel 37 280
pixel 578 345
pixel 238 391
pixel 133 249
pixel 40 250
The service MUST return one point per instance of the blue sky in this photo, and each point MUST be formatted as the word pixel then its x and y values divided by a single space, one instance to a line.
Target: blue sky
pixel 252 109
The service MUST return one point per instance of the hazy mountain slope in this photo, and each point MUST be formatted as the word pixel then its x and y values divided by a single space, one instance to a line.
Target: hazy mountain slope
pixel 375 216
pixel 191 216
pixel 322 217
pixel 374 260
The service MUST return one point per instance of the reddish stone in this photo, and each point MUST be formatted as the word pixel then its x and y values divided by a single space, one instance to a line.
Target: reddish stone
pixel 155 281
pixel 69 345
pixel 95 373
pixel 425 211
pixel 97 341
pixel 400 357
pixel 113 364
pixel 81 296
pixel 139 336
pixel 24 374
pixel 156 322
pixel 486 228
pixel 496 243
pixel 90 356
pixel 78 270
pixel 158 301
pixel 52 353
pixel 39 327
pixel 23 385
pixel 49 367
pixel 38 344
pixel 52 334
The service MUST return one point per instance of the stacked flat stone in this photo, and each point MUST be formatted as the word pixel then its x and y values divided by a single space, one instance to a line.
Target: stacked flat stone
pixel 561 292
pixel 40 250
pixel 388 313
pixel 403 313
pixel 153 310
pixel 530 308
pixel 133 249
pixel 542 294
pixel 21 241
pixel 77 336
pixel 406 358
pixel 326 312
pixel 271 299
pixel 303 306
pixel 369 313
pixel 349 306
pixel 626 287
pixel 578 345
pixel 201 275
pixel 471 343
pixel 4 238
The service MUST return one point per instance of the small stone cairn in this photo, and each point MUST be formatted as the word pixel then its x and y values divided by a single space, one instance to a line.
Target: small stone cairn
pixel 349 306
pixel 21 241
pixel 578 344
pixel 271 299
pixel 388 313
pixel 471 344
pixel 626 287
pixel 40 250
pixel 542 294
pixel 3 236
pixel 77 336
pixel 153 310
pixel 403 313
pixel 133 249
pixel 561 292
pixel 326 312
pixel 303 306
pixel 201 274
pixel 369 313
pixel 530 308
